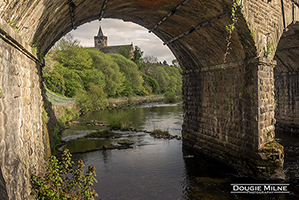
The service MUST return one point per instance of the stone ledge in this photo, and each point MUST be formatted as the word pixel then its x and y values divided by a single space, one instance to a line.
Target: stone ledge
pixel 262 60
pixel 234 65
pixel 286 74
pixel 225 66
pixel 14 39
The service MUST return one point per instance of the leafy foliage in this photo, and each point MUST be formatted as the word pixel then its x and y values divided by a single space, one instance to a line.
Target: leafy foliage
pixel 169 97
pixel 119 121
pixel 157 131
pixel 76 58
pixel 13 25
pixel 55 82
pixel 92 76
pixel 230 28
pixel 73 83
pixel 137 58
pixel 93 99
pixel 65 180
pixel 112 75
pixel 150 82
pixel 124 52
pixel 66 42
pixel 269 49
pixel 133 77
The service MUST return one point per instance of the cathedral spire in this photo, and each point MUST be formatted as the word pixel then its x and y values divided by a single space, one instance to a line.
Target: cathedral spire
pixel 100 40
pixel 100 33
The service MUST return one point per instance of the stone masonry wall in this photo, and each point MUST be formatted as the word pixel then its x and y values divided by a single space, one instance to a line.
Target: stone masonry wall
pixel 287 101
pixel 265 101
pixel 229 113
pixel 265 20
pixel 22 149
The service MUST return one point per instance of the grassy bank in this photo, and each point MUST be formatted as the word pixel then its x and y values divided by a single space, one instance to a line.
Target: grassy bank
pixel 132 101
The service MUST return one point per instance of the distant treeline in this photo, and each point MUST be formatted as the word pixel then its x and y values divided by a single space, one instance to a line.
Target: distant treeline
pixel 91 76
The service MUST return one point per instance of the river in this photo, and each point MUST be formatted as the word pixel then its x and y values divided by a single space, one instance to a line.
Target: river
pixel 159 169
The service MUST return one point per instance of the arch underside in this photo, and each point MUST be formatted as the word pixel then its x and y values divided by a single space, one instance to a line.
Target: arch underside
pixel 42 23
pixel 287 79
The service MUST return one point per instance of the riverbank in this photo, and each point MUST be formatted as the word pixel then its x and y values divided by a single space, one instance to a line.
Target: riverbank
pixel 59 117
pixel 69 112
pixel 132 101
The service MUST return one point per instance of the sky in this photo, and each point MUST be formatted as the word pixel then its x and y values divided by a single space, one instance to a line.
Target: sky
pixel 123 33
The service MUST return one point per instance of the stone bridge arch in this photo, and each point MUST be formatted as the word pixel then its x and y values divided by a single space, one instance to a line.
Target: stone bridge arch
pixel 286 80
pixel 229 106
pixel 42 23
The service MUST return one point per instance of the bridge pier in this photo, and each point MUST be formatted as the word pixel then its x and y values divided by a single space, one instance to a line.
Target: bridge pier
pixel 23 144
pixel 229 115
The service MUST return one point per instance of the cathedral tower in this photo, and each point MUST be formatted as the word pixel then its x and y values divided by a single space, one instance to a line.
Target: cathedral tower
pixel 100 40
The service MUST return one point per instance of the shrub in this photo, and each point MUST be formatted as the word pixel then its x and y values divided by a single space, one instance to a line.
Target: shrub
pixel 169 97
pixel 151 82
pixel 94 99
pixel 64 180
pixel 157 131
pixel 97 97
pixel 119 120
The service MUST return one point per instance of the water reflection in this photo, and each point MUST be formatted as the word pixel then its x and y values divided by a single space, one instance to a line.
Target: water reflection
pixel 160 169
pixel 151 171
pixel 290 141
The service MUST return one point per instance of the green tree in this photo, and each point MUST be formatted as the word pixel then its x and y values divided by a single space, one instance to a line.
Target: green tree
pixel 137 58
pixel 74 58
pixel 125 52
pixel 127 91
pixel 162 78
pixel 94 77
pixel 94 99
pixel 130 70
pixel 150 82
pixel 113 77
pixel 175 63
pixel 66 42
pixel 73 83
pixel 55 82
pixel 49 62
pixel 97 97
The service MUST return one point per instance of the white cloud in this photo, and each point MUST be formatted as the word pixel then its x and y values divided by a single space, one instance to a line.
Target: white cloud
pixel 121 33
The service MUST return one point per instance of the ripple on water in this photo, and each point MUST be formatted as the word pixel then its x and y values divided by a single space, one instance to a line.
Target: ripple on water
pixel 156 169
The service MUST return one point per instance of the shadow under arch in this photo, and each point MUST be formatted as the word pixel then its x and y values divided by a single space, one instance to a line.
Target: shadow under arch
pixel 286 75
pixel 199 48
pixel 3 191
pixel 286 88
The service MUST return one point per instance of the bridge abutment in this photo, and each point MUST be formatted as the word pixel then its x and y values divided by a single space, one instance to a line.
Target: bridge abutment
pixel 22 149
pixel 229 115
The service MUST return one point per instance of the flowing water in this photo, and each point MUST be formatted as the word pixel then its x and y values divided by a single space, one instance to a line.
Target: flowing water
pixel 158 169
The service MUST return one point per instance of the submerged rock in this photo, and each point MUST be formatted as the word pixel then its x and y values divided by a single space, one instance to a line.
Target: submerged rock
pixel 164 135
pixel 110 147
